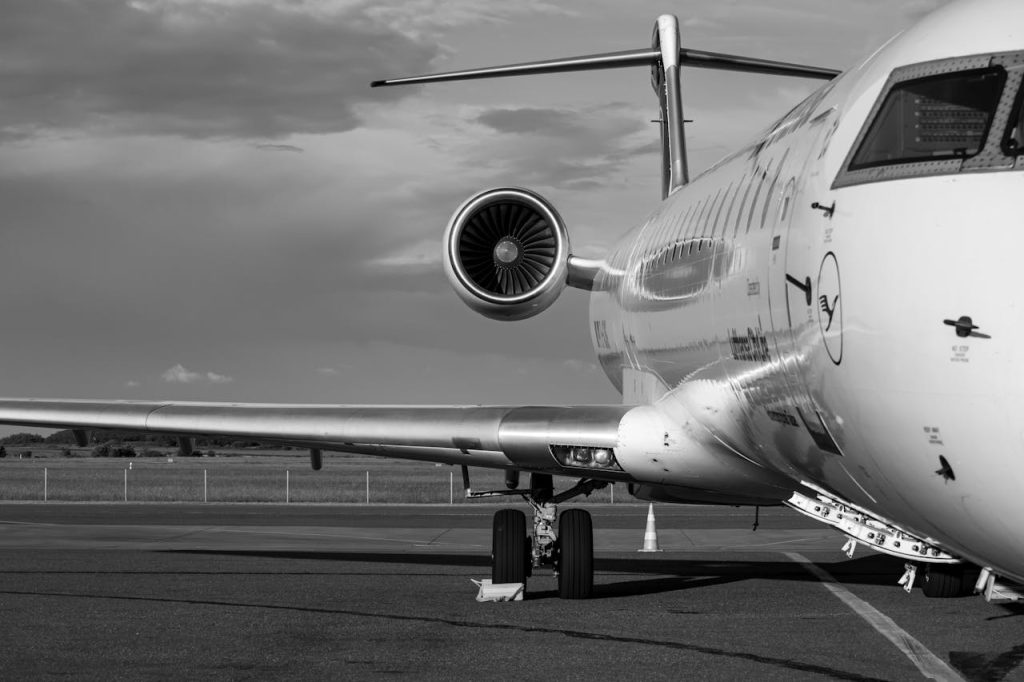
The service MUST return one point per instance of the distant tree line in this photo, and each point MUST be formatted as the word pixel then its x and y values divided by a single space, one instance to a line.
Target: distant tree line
pixel 24 439
pixel 101 436
pixel 113 443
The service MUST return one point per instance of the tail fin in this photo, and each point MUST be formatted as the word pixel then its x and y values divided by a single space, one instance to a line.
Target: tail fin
pixel 664 58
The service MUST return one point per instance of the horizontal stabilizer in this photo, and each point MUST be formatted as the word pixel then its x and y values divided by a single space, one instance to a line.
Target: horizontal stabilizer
pixel 618 60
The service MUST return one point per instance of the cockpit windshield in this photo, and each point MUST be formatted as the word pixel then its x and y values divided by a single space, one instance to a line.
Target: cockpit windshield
pixel 943 117
pixel 929 119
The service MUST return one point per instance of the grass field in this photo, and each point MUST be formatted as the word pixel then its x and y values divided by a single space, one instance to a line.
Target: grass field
pixel 247 476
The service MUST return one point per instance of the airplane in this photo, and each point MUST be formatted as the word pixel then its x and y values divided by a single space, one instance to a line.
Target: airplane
pixel 825 319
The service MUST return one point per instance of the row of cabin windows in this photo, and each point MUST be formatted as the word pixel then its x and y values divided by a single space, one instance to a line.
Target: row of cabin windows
pixel 704 219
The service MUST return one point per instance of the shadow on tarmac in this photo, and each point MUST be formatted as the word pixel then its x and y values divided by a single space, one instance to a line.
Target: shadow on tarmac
pixel 673 574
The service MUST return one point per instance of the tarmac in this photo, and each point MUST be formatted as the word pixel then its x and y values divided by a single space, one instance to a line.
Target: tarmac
pixel 158 591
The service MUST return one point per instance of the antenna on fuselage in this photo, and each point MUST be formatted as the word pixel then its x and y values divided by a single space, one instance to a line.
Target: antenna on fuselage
pixel 665 59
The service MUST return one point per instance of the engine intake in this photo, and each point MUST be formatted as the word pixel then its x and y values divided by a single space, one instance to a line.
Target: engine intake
pixel 506 253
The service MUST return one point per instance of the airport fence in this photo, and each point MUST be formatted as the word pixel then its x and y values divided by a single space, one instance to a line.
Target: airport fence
pixel 288 479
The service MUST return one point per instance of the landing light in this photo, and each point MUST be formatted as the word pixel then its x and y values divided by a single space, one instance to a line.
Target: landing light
pixel 580 456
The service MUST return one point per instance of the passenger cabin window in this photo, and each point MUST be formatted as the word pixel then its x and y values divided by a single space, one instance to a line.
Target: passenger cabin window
pixel 933 118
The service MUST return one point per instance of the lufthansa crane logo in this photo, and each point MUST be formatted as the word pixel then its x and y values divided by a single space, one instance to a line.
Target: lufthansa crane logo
pixel 830 307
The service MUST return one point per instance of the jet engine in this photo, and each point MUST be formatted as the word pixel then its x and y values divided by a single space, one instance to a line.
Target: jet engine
pixel 506 253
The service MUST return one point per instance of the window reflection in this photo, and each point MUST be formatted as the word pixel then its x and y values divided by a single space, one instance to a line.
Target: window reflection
pixel 933 118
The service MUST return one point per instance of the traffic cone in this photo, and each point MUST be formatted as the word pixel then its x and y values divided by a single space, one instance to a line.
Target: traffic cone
pixel 651 534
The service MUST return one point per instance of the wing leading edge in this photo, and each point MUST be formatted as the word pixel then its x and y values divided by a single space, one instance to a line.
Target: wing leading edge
pixel 488 436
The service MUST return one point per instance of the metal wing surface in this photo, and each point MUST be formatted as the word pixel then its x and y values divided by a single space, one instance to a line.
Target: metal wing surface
pixel 487 436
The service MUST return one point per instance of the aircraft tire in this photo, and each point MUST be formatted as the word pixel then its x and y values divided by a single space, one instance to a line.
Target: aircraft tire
pixel 575 555
pixel 943 581
pixel 509 553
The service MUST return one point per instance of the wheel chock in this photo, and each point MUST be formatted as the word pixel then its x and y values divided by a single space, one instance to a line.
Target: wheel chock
pixel 498 591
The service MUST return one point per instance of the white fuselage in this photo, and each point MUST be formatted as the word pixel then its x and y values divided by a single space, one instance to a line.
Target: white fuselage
pixel 812 341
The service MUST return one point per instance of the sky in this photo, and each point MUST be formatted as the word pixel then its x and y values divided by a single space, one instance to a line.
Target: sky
pixel 204 199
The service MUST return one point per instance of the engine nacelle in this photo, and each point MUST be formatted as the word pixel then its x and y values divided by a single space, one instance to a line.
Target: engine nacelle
pixel 506 253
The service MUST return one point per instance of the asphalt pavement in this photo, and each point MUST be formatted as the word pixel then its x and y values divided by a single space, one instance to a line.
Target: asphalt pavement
pixel 122 591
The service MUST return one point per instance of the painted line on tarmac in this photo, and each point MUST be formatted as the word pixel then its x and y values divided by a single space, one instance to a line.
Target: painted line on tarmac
pixel 930 665
pixel 772 544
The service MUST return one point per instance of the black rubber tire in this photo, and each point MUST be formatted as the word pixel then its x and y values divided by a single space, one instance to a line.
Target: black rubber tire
pixel 575 555
pixel 509 556
pixel 943 581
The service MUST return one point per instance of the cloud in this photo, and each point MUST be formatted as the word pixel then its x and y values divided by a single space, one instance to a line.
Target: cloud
pixel 131 383
pixel 701 23
pixel 179 375
pixel 419 18
pixel 422 256
pixel 580 366
pixel 559 147
pixel 264 70
pixel 533 121
pixel 279 148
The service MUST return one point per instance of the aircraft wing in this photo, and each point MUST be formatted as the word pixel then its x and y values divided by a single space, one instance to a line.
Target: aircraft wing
pixel 665 452
pixel 535 438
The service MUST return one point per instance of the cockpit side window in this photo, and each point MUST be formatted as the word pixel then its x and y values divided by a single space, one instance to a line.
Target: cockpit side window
pixel 928 119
